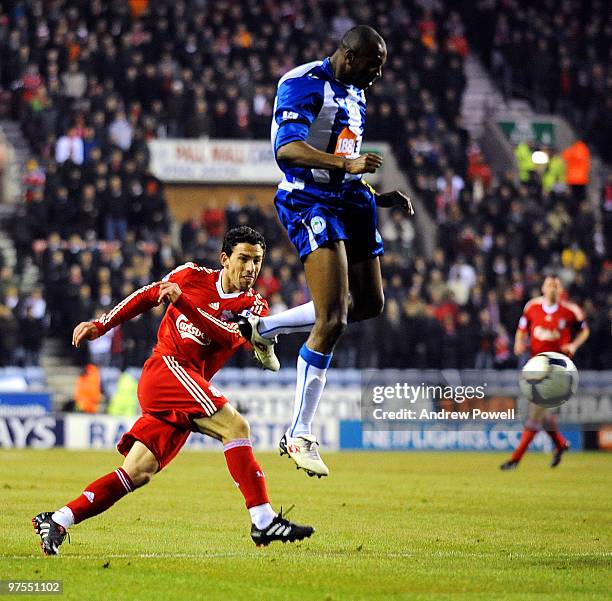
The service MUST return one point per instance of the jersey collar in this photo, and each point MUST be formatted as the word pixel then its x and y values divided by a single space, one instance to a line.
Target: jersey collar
pixel 327 68
pixel 549 309
pixel 220 289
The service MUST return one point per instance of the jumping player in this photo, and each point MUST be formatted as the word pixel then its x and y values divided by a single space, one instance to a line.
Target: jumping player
pixel 329 214
pixel 548 321
pixel 194 341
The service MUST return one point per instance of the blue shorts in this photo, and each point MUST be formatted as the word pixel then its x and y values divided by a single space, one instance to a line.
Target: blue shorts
pixel 316 219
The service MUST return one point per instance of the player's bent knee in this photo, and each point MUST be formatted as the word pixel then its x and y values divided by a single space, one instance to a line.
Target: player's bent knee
pixel 141 478
pixel 140 465
pixel 332 326
pixel 239 428
pixel 338 327
pixel 140 474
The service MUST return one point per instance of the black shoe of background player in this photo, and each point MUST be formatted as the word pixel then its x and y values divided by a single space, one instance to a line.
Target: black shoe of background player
pixel 556 460
pixel 280 529
pixel 511 464
pixel 51 534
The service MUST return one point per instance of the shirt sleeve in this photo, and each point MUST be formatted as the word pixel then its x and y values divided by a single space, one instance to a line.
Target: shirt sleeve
pixel 180 274
pixel 298 102
pixel 224 333
pixel 577 316
pixel 259 306
pixel 523 324
pixel 136 303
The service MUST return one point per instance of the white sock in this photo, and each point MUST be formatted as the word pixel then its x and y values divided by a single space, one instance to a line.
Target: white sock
pixel 298 319
pixel 311 369
pixel 262 515
pixel 64 517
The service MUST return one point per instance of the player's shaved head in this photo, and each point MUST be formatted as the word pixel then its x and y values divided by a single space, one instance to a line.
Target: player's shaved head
pixel 362 39
pixel 360 57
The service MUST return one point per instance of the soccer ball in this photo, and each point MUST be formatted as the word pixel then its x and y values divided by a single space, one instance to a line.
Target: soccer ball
pixel 549 379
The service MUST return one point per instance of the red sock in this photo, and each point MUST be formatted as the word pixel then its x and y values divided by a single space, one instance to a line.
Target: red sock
pixel 557 438
pixel 526 438
pixel 100 495
pixel 246 472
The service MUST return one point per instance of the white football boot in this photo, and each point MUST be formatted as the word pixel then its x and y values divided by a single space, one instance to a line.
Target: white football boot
pixel 304 452
pixel 263 348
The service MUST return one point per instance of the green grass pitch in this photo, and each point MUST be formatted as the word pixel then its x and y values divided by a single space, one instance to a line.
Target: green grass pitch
pixel 389 526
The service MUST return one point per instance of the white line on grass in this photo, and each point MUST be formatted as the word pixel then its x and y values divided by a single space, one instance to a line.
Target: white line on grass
pixel 366 554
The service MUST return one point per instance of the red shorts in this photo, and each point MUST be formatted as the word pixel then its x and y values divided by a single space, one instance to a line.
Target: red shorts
pixel 171 397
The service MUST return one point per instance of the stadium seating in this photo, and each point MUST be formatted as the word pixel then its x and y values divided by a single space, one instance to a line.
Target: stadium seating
pixel 92 83
pixel 546 37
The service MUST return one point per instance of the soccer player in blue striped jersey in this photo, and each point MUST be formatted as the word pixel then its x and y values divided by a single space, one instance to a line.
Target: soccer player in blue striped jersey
pixel 329 214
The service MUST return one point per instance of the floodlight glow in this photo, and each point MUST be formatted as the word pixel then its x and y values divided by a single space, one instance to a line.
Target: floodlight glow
pixel 539 157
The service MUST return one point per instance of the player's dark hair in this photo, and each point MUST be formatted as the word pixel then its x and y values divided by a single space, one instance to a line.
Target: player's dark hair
pixel 244 233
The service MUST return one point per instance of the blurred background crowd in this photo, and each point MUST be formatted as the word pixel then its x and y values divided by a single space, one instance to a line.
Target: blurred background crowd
pixel 92 82
pixel 555 54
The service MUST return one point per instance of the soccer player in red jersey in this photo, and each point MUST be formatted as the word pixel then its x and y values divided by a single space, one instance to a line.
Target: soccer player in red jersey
pixel 194 340
pixel 548 321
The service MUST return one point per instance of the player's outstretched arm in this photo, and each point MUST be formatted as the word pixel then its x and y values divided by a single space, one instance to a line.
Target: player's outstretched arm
pixel 136 303
pixel 301 154
pixel 520 346
pixel 86 330
pixel 223 333
pixel 395 199
pixel 571 348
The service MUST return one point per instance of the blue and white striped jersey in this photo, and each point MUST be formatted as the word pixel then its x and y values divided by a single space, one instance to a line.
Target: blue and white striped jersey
pixel 312 106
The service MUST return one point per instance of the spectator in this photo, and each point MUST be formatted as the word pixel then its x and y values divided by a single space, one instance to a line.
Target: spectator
pixel 70 146
pixel 125 400
pixel 578 160
pixel 100 348
pixel 121 131
pixel 486 338
pixel 88 390
pixel 32 332
pixel 198 125
pixel 267 283
pixel 9 337
pixel 398 233
pixel 74 81
pixel 116 211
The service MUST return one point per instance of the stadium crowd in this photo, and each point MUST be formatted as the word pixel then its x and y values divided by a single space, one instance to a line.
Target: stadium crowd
pixel 92 82
pixel 556 54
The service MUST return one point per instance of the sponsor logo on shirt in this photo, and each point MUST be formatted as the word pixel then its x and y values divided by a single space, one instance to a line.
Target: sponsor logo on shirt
pixel 214 306
pixel 346 144
pixel 187 330
pixel 545 334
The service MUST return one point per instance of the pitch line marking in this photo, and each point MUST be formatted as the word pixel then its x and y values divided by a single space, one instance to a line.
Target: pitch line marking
pixel 251 554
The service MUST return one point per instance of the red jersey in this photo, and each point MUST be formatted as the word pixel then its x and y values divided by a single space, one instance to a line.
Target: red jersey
pixel 196 329
pixel 549 327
